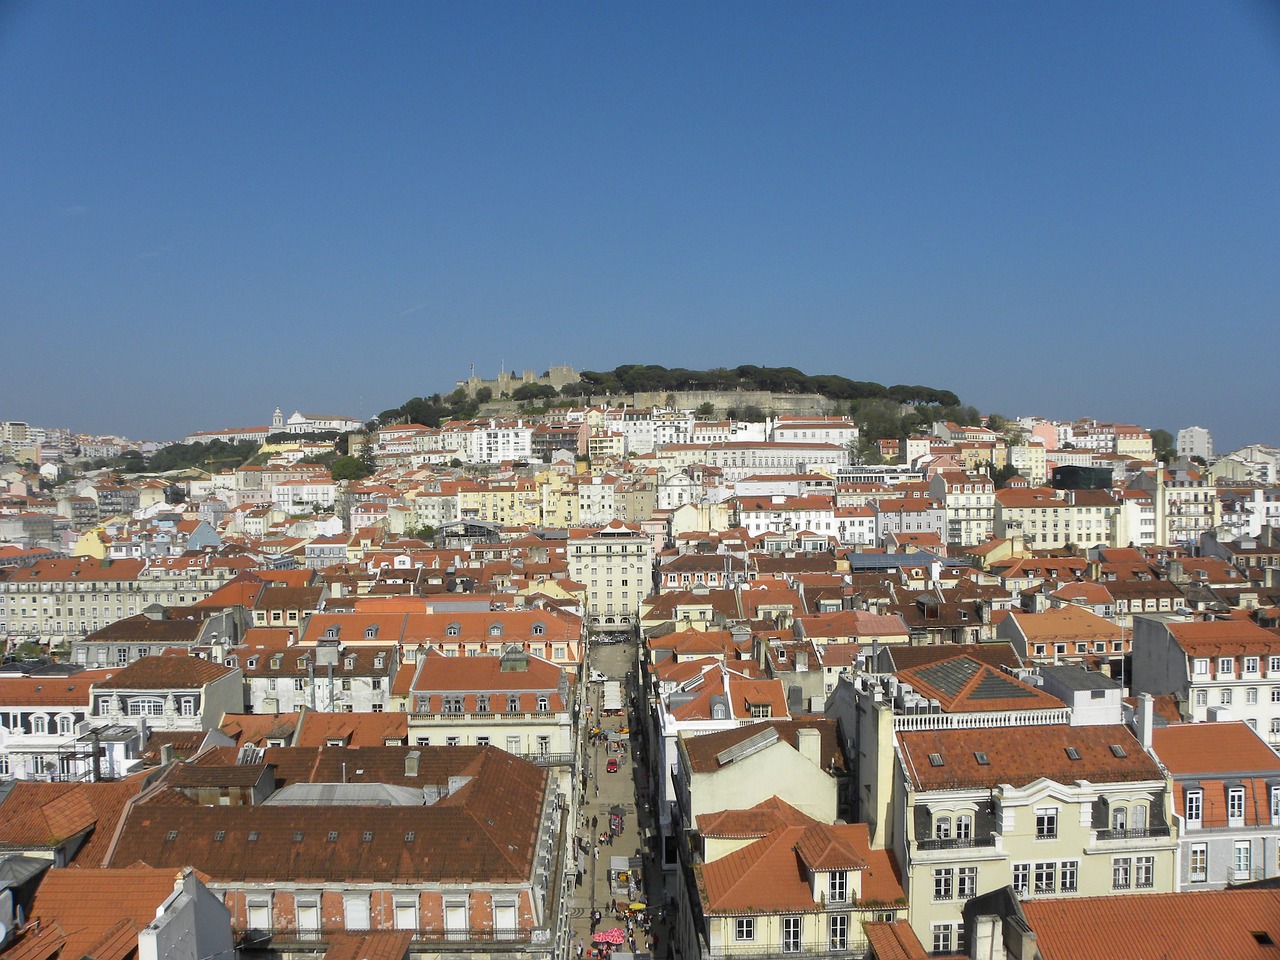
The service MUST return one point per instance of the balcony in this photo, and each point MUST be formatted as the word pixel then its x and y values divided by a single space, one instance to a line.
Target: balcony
pixel 1137 833
pixel 277 937
pixel 853 947
pixel 956 843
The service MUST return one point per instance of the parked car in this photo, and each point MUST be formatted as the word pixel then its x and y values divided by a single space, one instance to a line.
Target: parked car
pixel 598 676
pixel 612 765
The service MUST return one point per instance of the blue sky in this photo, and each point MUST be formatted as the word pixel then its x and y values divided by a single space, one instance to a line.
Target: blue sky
pixel 1063 209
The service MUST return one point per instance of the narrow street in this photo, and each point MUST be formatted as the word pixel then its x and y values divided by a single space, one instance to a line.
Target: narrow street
pixel 607 794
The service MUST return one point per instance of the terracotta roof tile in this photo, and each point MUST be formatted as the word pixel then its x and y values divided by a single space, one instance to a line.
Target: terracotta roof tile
pixel 1037 751
pixel 1222 924
pixel 164 673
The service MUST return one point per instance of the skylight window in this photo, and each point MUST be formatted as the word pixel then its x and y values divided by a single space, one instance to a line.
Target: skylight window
pixel 253 835
pixel 220 836
pixel 333 835
pixel 297 837
pixel 982 758
pixel 368 836
pixel 935 759
pixel 1073 753
pixel 172 835
pixel 408 837
pixel 1118 750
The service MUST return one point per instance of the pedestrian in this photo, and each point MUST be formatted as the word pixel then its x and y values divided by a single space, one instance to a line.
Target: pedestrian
pixel 597 852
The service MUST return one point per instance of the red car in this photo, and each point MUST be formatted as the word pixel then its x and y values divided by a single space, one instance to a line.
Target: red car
pixel 612 765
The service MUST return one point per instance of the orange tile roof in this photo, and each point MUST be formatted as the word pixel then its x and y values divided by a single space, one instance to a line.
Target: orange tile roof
pixel 758 821
pixel 1037 751
pixel 1208 748
pixel 1222 924
pixel 769 876
pixel 72 690
pixel 895 941
pixel 99 912
pixel 163 673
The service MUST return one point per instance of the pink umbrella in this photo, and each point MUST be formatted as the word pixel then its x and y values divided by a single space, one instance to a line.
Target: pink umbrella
pixel 615 935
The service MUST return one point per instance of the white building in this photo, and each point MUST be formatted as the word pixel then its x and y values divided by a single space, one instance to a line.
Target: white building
pixel 1195 442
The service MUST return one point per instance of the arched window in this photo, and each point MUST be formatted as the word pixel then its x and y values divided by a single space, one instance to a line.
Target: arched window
pixel 65 725
pixel 543 704
pixel 1138 816
pixel 495 630
pixel 539 629
pixel 964 826
pixel 39 723
pixel 942 828
pixel 1119 818
pixel 718 712
pixel 146 707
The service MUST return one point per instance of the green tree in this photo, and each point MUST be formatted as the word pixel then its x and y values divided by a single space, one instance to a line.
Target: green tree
pixel 1163 445
pixel 706 410
pixel 349 468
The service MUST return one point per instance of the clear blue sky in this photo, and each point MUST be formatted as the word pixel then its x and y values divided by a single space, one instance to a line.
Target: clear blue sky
pixel 209 209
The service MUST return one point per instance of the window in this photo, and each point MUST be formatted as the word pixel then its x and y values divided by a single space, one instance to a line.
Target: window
pixel 1235 806
pixel 1202 666
pixel 1243 860
pixel 942 938
pixel 146 707
pixel 943 884
pixel 1250 664
pixel 1022 877
pixel 298 684
pixel 837 886
pixel 1273 664
pixel 1045 875
pixel 453 704
pixel 1251 695
pixel 744 928
pixel 1144 873
pixel 259 913
pixel 452 630
pixel 543 704
pixel 964 827
pixel 355 909
pixel 1121 873
pixel 39 723
pixel 65 726
pixel 1226 695
pixel 1199 862
pixel 1068 876
pixel 967 882
pixel 1046 823
pixel 406 913
pixel 1275 805
pixel 942 828
pixel 1119 818
pixel 838 931
pixel 790 934
pixel 1194 804
pixel 187 706
pixel 513 703
pixel 1202 698
pixel 1226 665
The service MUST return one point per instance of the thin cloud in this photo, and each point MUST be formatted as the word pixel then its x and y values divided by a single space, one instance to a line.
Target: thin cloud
pixel 405 313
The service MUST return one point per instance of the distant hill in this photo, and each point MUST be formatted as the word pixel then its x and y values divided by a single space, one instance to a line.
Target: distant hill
pixel 629 380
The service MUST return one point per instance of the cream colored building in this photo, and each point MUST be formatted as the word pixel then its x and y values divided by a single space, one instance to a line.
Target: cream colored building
pixel 1054 810
pixel 615 563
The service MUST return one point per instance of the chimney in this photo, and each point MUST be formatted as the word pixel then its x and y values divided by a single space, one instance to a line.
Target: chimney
pixel 411 763
pixel 1146 716
pixel 166 754
pixel 809 743
pixel 802 661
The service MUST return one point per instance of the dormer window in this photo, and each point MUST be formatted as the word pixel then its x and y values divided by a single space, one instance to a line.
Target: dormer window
pixel 378 662
pixel 453 630
pixel 332 632
pixel 838 886
pixel 349 663
pixel 539 629
pixel 513 703
pixel 543 704
pixel 371 632
pixel 495 630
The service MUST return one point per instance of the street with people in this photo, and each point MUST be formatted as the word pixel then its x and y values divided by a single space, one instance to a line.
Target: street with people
pixel 618 907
